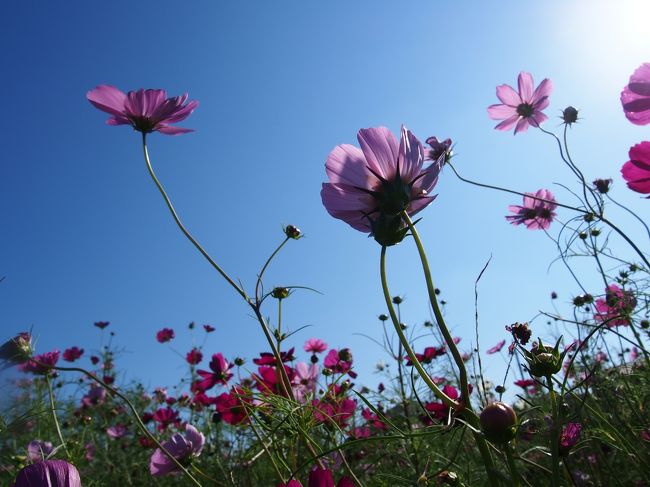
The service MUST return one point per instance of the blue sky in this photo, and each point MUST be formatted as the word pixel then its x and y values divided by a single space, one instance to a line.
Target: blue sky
pixel 86 237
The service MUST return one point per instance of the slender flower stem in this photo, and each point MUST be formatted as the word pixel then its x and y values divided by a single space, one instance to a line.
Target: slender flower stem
pixel 53 409
pixel 555 440
pixel 469 414
pixel 196 244
pixel 579 210
pixel 404 341
pixel 135 413
pixel 266 264
pixel 464 385
pixel 514 472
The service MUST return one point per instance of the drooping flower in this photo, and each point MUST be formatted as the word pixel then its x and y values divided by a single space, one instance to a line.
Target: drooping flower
pixel 636 171
pixel 635 97
pixel 182 447
pixel 438 149
pixel 165 335
pixel 72 354
pixel 523 107
pixel 101 324
pixel 371 186
pixel 616 307
pixel 220 373
pixel 49 473
pixel 535 214
pixel 145 110
pixel 38 450
pixel 41 364
pixel 496 348
pixel 315 345
pixel 569 437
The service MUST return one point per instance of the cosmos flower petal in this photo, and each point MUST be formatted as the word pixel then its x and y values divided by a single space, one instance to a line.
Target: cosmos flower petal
pixel 171 130
pixel 508 96
pixel 508 123
pixel 543 90
pixel 526 84
pixel 499 112
pixel 346 164
pixel 411 155
pixel 380 149
pixel 108 99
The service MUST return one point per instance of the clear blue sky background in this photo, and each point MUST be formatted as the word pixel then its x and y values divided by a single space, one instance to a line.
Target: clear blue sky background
pixel 86 237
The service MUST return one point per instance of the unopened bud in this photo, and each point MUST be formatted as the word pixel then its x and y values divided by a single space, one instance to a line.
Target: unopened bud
pixel 292 232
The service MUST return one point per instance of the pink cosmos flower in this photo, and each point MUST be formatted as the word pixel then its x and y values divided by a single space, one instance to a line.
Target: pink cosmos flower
pixel 116 432
pixel 208 328
pixel 334 406
pixel 145 110
pixel 101 324
pixel 165 335
pixel 635 97
pixel 90 452
pixel 194 356
pixel 339 362
pixel 496 348
pixel 304 380
pixel 72 354
pixel 291 483
pixel 371 186
pixel 525 383
pixel 315 345
pixel 49 473
pixel 569 437
pixel 96 395
pixel 430 353
pixel 232 406
pixel 183 447
pixel 220 373
pixel 38 450
pixel 165 417
pixel 522 108
pixel 373 419
pixel 636 171
pixel 616 307
pixel 267 358
pixel 41 364
pixel 321 477
pixel 439 410
pixel 535 214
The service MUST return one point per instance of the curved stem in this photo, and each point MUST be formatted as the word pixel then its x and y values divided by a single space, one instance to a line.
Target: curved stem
pixel 266 264
pixel 56 421
pixel 464 385
pixel 196 244
pixel 555 440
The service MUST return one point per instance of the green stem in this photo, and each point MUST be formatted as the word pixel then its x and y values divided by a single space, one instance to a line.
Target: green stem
pixel 266 264
pixel 555 440
pixel 469 414
pixel 196 244
pixel 464 385
pixel 53 409
pixel 514 472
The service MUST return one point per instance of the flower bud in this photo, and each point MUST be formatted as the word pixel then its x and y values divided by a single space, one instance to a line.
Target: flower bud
pixel 498 422
pixel 383 317
pixel 602 185
pixel 280 292
pixel 569 115
pixel 543 360
pixel 18 349
pixel 292 232
pixel 447 477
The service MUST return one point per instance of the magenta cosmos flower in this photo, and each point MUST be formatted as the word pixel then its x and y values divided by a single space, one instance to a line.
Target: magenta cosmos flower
pixel 521 108
pixel 636 171
pixel 535 214
pixel 616 307
pixel 145 110
pixel 165 335
pixel 635 97
pixel 315 345
pixel 183 448
pixel 371 186
pixel 49 473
